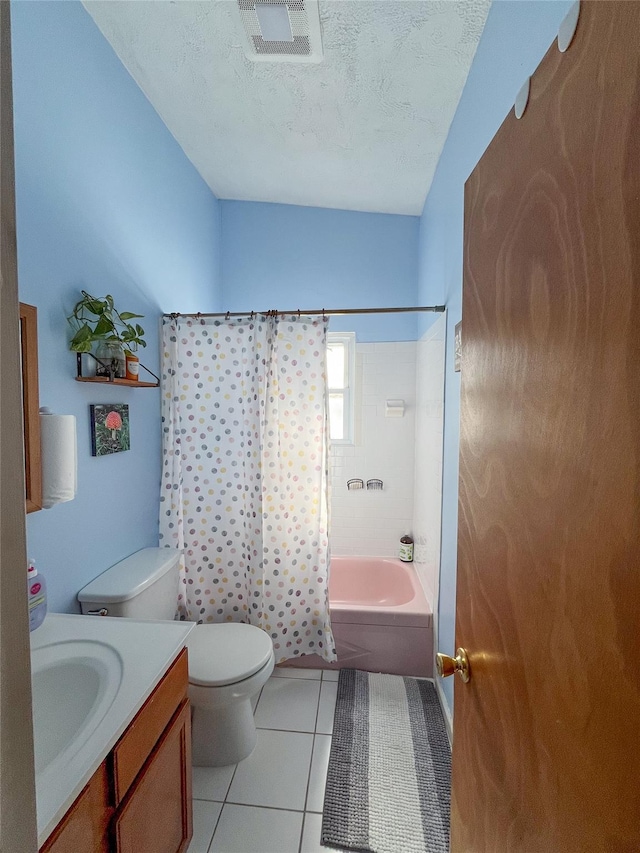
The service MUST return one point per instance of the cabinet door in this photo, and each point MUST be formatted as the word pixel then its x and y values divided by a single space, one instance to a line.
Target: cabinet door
pixel 155 816
pixel 136 745
pixel 84 828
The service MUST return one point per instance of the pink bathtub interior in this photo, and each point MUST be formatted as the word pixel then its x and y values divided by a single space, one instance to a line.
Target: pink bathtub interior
pixel 377 590
pixel 381 619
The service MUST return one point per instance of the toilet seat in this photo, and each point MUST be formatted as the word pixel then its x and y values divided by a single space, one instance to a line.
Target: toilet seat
pixel 224 654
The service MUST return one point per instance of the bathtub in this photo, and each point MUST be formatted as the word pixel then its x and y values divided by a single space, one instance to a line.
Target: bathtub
pixel 380 617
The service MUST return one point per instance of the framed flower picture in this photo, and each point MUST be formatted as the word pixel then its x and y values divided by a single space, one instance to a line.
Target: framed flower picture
pixel 109 428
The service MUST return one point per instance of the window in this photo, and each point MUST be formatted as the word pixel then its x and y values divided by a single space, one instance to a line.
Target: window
pixel 340 375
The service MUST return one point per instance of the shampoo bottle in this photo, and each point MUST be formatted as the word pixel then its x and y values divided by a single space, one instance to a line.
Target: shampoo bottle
pixel 406 549
pixel 37 589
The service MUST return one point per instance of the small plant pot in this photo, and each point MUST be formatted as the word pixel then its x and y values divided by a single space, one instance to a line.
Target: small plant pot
pixel 111 360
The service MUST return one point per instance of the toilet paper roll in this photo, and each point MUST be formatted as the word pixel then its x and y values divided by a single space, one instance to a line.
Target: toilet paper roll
pixel 59 458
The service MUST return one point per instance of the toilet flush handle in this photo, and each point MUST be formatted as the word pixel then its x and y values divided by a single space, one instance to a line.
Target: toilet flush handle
pixel 102 612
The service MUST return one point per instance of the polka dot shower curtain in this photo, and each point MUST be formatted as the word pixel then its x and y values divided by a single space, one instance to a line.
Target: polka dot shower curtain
pixel 244 484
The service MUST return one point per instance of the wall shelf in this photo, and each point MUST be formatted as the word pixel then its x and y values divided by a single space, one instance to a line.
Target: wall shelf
pixel 112 380
pixel 106 381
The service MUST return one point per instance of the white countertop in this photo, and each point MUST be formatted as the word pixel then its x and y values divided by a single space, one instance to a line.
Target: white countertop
pixel 146 649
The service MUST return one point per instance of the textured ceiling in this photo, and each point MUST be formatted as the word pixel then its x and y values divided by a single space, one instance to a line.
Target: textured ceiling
pixel 362 130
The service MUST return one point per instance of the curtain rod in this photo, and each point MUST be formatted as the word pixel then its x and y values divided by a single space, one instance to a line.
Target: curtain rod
pixel 325 312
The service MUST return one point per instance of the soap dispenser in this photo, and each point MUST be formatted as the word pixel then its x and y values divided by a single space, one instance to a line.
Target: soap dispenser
pixel 37 589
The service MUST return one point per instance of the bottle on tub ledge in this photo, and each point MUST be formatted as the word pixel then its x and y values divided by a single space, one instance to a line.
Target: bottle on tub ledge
pixel 406 549
pixel 37 589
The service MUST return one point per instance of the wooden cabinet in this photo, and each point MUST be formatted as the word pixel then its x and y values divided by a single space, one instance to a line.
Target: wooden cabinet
pixel 139 799
pixel 30 406
pixel 156 813
pixel 86 824
pixel 134 747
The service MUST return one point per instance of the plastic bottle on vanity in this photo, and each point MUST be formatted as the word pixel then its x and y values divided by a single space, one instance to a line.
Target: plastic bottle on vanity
pixel 37 589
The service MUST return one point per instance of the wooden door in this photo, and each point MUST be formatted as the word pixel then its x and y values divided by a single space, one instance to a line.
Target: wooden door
pixel 17 780
pixel 156 815
pixel 546 750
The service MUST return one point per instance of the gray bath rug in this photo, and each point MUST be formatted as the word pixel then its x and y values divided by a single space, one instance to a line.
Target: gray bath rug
pixel 389 778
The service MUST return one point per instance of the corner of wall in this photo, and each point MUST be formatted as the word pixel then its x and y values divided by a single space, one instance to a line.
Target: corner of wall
pixel 446 710
pixel 515 37
pixel 106 201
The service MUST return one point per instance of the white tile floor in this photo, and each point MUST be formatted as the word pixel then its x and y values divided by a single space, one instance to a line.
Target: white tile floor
pixel 272 801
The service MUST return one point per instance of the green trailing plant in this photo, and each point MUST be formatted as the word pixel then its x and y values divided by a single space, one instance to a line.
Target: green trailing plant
pixel 97 319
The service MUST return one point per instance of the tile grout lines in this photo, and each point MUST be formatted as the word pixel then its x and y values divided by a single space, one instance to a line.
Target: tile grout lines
pixel 313 747
pixel 314 734
pixel 226 794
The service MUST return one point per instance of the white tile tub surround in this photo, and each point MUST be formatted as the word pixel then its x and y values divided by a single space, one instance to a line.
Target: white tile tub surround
pixel 429 415
pixel 372 522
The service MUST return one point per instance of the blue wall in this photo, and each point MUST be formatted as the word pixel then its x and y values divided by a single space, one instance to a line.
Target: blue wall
pixel 285 256
pixel 107 201
pixel 515 38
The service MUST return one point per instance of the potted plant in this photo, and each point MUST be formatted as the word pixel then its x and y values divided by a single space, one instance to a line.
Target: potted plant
pixel 98 321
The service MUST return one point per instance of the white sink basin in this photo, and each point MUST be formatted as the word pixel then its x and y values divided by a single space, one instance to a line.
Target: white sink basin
pixel 74 684
pixel 90 676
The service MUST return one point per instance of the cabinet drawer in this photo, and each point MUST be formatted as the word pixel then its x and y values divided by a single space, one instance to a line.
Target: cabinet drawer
pixel 84 827
pixel 134 747
pixel 156 815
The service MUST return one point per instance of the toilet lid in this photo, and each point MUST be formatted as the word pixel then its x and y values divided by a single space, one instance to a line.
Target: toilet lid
pixel 224 654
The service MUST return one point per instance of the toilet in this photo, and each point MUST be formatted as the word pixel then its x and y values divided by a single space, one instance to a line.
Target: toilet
pixel 228 663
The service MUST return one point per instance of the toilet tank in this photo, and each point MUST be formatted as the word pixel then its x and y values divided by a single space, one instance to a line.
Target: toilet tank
pixel 142 586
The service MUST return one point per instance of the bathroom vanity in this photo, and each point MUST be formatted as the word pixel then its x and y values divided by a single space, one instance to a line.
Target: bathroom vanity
pixel 113 749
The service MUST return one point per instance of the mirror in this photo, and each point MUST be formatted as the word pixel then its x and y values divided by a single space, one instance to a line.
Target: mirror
pixel 31 406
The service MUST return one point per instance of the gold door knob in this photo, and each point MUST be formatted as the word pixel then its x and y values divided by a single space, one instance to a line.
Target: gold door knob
pixel 448 666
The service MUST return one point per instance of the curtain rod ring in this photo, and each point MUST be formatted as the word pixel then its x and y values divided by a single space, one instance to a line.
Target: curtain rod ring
pixel 227 316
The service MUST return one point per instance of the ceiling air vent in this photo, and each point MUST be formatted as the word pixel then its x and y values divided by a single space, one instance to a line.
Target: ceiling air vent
pixel 282 30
